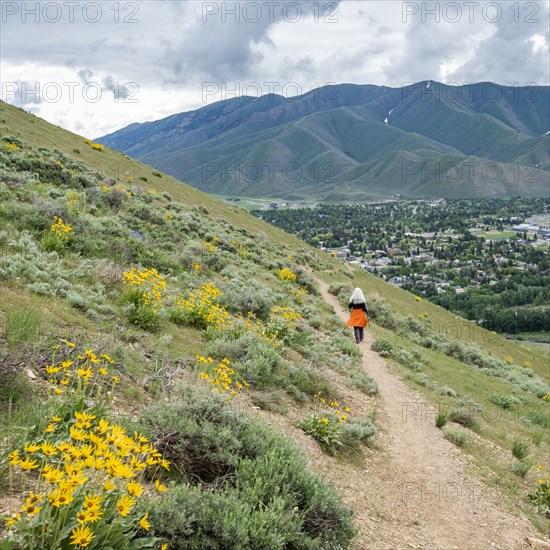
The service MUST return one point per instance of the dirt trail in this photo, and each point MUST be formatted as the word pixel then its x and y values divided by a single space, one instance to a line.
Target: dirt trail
pixel 415 491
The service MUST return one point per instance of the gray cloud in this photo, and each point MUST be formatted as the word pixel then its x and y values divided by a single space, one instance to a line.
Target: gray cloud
pixel 221 45
pixel 485 44
pixel 169 49
pixel 510 52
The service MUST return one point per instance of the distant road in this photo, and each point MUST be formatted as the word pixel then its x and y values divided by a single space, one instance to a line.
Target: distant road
pixel 545 344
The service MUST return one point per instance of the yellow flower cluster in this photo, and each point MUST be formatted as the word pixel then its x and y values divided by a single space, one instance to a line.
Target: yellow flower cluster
pixel 210 246
pixel 196 266
pixel 267 332
pixel 223 377
pixel 107 189
pixel 546 398
pixel 73 198
pixel 61 229
pixel 325 424
pixel 169 217
pixel 241 250
pixel 10 146
pixel 149 283
pixel 286 274
pixel 336 413
pixel 201 308
pixel 290 315
pixel 84 374
pixel 120 188
pixel 545 479
pixel 97 146
pixel 89 474
pixel 218 317
pixel 297 292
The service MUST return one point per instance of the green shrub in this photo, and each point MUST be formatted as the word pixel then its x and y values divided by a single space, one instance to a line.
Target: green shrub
pixel 356 432
pixel 53 243
pixel 541 497
pixel 465 418
pixel 446 390
pixel 362 381
pixel 178 316
pixel 520 450
pixel 346 345
pixel 441 419
pixel 539 418
pixel 521 469
pixel 340 289
pixel 382 313
pixel 326 430
pixel 256 360
pixel 310 382
pixel 383 347
pixel 473 407
pixel 143 316
pixel 305 280
pixel 424 380
pixel 455 435
pixel 243 298
pixel 314 320
pixel 42 289
pixel 241 485
pixel 504 400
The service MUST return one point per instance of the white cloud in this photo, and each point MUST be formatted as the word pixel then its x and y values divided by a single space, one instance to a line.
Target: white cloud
pixel 166 55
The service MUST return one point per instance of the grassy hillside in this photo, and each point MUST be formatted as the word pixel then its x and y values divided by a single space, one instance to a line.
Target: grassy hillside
pixel 129 296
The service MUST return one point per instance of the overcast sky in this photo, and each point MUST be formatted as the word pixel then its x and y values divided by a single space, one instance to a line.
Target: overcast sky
pixel 94 67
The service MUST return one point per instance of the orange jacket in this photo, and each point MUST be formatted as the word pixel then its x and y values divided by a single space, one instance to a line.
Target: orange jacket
pixel 357 319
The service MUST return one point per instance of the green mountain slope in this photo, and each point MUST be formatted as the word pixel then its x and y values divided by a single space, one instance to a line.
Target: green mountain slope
pixel 311 145
pixel 107 253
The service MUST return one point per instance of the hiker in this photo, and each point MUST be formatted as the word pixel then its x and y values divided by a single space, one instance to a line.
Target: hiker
pixel 359 312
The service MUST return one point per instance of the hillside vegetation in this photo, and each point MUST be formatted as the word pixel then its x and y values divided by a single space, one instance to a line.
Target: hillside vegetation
pixel 142 319
pixel 351 142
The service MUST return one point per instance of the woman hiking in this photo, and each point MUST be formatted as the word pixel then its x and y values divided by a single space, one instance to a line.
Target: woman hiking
pixel 359 312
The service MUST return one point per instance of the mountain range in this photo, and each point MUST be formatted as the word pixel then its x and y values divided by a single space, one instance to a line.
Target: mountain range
pixel 357 142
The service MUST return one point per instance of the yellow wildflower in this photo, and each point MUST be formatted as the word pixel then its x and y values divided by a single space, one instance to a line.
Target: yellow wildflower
pixel 134 488
pixel 160 487
pixel 124 505
pixel 28 464
pixel 144 524
pixel 81 536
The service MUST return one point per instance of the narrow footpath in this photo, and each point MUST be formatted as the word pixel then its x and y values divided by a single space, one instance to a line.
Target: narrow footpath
pixel 415 491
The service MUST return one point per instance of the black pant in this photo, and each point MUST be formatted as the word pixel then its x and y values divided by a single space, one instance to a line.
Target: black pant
pixel 359 333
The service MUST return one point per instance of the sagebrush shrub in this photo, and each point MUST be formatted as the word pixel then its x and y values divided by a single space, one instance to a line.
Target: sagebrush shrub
pixel 361 380
pixel 230 466
pixel 383 347
pixel 455 435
